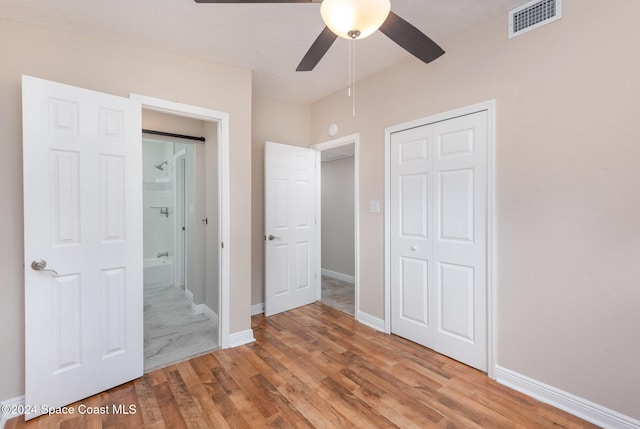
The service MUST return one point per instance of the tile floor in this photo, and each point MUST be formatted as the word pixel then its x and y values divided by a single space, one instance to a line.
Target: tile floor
pixel 172 332
pixel 338 294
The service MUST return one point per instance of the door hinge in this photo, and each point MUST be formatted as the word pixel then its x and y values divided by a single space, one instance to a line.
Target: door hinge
pixel 205 221
pixel 222 244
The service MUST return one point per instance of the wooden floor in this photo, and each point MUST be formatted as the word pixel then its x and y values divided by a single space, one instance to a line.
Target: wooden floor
pixel 313 367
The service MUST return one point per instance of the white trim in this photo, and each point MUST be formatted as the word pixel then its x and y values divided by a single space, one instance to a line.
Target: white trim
pixel 387 231
pixel 371 321
pixel 339 276
pixel 240 338
pixel 583 408
pixel 188 295
pixel 222 119
pixel 204 309
pixel 212 315
pixel 490 107
pixel 257 309
pixel 179 260
pixel 342 141
pixel 17 402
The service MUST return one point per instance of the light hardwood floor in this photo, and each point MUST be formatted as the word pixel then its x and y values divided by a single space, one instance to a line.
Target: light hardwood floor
pixel 315 367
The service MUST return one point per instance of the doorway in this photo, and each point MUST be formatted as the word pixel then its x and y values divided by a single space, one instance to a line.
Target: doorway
pixel 338 226
pixel 180 305
pixel 205 209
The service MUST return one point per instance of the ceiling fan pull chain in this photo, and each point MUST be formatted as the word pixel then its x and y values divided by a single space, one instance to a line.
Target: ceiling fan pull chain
pixel 352 75
pixel 349 70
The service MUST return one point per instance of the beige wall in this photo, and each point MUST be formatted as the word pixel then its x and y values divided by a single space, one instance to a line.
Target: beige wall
pixel 568 186
pixel 116 69
pixel 158 121
pixel 280 122
pixel 338 229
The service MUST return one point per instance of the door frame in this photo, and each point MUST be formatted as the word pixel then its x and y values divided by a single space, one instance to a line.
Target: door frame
pixel 222 119
pixel 179 264
pixel 332 144
pixel 490 107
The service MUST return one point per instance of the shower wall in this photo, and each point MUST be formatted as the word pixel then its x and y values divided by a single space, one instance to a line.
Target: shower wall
pixel 158 210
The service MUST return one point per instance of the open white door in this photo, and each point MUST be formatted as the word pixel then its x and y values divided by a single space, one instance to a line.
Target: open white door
pixel 83 217
pixel 290 227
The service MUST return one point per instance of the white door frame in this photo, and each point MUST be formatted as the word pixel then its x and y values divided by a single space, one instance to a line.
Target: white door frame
pixel 490 107
pixel 179 259
pixel 222 119
pixel 332 144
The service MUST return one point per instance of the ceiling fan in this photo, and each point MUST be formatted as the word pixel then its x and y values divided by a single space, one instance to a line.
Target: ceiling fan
pixel 356 19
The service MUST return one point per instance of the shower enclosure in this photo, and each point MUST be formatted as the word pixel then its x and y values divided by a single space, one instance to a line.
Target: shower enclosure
pixel 165 188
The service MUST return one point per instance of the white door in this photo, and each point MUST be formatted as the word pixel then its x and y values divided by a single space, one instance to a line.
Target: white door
pixel 290 227
pixel 83 216
pixel 439 237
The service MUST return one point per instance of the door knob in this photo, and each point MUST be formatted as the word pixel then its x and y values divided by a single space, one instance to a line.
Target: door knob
pixel 41 265
pixel 273 237
pixel 414 248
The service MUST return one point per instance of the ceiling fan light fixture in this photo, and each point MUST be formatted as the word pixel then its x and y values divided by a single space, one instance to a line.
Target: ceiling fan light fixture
pixel 354 19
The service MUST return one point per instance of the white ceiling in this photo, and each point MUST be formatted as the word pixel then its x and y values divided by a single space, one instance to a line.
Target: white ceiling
pixel 270 39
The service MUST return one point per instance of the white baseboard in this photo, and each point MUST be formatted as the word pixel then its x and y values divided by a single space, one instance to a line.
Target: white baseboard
pixel 583 408
pixel 339 276
pixel 189 295
pixel 241 338
pixel 204 309
pixel 257 309
pixel 17 403
pixel 212 315
pixel 371 321
pixel 197 308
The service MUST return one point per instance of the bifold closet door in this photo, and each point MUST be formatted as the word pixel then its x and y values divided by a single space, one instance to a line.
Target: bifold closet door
pixel 439 237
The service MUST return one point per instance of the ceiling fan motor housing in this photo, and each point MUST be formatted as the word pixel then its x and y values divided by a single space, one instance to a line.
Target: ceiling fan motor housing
pixel 354 19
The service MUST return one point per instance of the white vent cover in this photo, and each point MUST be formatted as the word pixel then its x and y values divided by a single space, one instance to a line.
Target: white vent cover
pixel 532 15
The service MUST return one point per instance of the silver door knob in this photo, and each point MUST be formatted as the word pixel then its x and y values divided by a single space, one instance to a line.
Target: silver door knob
pixel 41 265
pixel 273 237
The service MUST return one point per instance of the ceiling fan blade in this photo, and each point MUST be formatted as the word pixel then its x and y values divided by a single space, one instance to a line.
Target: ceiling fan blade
pixel 317 50
pixel 253 1
pixel 410 38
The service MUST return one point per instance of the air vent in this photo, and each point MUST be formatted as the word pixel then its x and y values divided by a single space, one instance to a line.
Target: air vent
pixel 532 15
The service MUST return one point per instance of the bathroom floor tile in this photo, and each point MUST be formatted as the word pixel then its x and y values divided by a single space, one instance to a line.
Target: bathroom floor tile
pixel 172 332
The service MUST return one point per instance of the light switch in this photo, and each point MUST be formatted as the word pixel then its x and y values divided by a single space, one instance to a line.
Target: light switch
pixel 374 206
